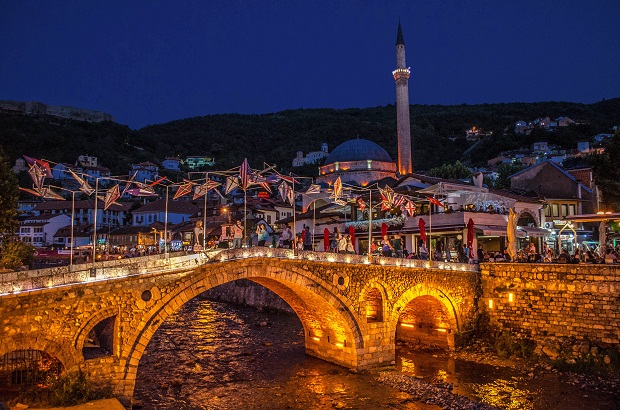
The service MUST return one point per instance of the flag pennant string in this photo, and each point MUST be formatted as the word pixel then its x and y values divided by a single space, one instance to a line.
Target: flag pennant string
pixel 337 188
pixel 201 190
pixel 128 184
pixel 84 185
pixel 410 207
pixel 37 175
pixel 231 184
pixel 111 195
pixel 313 189
pixel 244 174
pixel 44 165
pixel 184 189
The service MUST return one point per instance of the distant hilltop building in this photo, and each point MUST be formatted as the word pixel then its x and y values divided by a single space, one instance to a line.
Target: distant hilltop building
pixel 546 123
pixel 37 108
pixel 312 157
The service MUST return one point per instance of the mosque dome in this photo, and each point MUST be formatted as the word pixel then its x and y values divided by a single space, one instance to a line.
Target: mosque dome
pixel 358 150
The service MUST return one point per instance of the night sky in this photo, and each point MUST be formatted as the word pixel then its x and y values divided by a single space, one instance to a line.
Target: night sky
pixel 149 62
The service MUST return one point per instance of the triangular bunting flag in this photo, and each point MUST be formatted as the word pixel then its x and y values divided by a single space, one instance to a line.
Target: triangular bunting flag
pixel 410 207
pixel 231 183
pixel 44 165
pixel 84 185
pixel 111 195
pixel 184 189
pixel 244 174
pixel 37 175
pixel 313 189
pixel 337 188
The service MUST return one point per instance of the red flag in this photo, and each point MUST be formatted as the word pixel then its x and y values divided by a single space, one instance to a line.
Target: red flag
pixel 434 201
pixel 421 226
pixel 157 182
pixel 244 174
pixel 352 235
pixel 361 204
pixel 326 239
pixel 410 207
pixel 184 189
pixel 399 200
pixel 384 229
pixel 111 195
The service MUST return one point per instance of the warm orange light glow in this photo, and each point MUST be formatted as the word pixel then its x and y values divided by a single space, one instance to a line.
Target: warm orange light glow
pixel 511 297
pixel 490 303
pixel 339 345
pixel 316 339
pixel 441 330
pixel 407 325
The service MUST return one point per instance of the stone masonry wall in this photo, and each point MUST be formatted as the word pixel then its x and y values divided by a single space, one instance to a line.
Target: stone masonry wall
pixel 551 303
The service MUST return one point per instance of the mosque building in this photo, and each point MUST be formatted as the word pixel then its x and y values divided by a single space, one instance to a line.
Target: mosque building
pixel 360 161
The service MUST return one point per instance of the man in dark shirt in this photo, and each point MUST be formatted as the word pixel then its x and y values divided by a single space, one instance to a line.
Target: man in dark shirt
pixel 307 239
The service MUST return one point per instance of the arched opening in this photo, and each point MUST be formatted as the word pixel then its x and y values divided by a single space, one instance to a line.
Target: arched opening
pixel 100 339
pixel 25 368
pixel 424 323
pixel 526 219
pixel 374 306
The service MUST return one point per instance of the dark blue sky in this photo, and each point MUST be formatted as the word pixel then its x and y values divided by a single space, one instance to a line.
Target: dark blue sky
pixel 148 62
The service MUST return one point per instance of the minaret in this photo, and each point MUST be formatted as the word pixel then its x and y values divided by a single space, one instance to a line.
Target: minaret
pixel 401 76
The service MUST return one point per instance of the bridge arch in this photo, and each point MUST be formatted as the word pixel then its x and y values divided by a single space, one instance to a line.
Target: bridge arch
pixel 66 356
pixel 374 301
pixel 329 320
pixel 418 301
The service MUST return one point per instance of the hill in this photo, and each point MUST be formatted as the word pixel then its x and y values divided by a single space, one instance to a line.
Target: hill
pixel 438 134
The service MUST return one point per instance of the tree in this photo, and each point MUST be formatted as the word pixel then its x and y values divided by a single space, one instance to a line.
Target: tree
pixel 607 174
pixel 9 194
pixel 504 171
pixel 451 171
pixel 13 252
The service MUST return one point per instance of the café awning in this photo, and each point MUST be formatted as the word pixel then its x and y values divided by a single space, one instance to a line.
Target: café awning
pixel 600 217
pixel 533 231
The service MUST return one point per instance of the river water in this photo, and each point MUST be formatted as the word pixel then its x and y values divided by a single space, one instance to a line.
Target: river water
pixel 213 355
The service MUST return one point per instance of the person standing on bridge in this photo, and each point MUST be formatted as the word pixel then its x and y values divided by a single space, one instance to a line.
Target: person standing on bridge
pixel 263 235
pixel 237 235
pixel 307 239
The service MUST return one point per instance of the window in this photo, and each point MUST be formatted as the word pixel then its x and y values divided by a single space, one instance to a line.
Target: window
pixel 555 211
pixel 548 210
pixel 38 230
pixel 571 209
pixel 268 219
pixel 564 210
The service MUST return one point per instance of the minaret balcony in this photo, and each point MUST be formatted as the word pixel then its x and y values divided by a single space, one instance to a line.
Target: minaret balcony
pixel 401 73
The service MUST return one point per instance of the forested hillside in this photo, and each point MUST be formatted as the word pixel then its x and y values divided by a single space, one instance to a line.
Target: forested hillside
pixel 438 134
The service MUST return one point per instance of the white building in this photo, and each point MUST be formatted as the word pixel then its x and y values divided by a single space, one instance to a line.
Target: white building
pixel 144 172
pixel 39 230
pixel 312 157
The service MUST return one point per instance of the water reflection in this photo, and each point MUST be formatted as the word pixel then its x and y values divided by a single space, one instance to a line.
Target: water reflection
pixel 504 394
pixel 216 356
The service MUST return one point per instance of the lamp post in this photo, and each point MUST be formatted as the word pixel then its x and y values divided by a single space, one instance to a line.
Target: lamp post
pixel 166 225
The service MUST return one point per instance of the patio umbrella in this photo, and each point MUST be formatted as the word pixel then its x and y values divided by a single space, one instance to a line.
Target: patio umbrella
pixel 326 240
pixel 352 235
pixel 421 226
pixel 470 237
pixel 511 233
pixel 384 229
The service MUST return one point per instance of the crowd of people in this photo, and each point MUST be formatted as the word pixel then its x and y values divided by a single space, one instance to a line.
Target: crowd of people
pixel 394 246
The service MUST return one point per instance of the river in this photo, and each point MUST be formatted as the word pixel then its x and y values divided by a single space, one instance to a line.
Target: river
pixel 213 355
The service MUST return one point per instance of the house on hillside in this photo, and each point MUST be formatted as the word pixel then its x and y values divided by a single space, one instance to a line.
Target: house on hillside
pixel 39 230
pixel 144 172
pixel 176 212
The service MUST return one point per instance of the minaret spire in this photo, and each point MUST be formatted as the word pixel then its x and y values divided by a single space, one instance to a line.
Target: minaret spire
pixel 401 76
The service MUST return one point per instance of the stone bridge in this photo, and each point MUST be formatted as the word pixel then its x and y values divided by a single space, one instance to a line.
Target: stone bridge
pixel 100 317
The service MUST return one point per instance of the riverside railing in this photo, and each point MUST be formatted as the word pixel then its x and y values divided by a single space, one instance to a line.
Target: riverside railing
pixel 33 280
